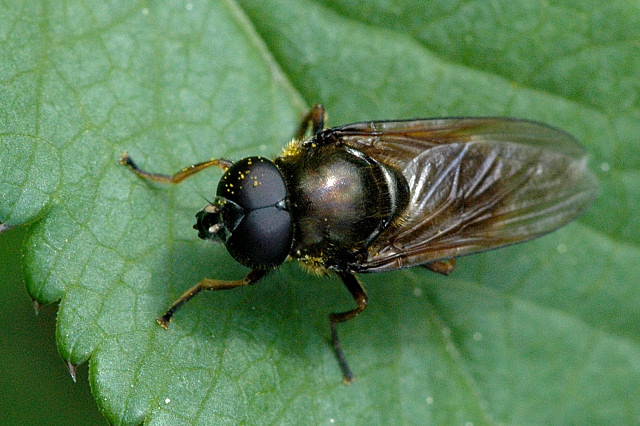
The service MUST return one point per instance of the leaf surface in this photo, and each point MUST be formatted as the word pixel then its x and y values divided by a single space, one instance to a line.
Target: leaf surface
pixel 541 332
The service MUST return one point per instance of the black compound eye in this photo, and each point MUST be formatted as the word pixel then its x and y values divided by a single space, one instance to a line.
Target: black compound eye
pixel 263 239
pixel 252 183
pixel 263 235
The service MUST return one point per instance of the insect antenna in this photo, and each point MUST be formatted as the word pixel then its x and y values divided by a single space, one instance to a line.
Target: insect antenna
pixel 201 195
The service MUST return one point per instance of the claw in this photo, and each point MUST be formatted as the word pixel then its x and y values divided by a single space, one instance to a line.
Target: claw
pixel 163 323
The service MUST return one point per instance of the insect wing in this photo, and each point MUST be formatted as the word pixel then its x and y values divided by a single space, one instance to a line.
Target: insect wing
pixel 474 184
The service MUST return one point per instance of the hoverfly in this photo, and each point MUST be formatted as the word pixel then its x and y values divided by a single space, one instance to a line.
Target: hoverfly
pixel 383 195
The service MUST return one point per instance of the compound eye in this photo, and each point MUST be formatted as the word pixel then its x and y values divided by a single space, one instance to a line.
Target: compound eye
pixel 263 238
pixel 263 235
pixel 253 183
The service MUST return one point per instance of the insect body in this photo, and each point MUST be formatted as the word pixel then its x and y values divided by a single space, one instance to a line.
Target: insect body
pixel 383 195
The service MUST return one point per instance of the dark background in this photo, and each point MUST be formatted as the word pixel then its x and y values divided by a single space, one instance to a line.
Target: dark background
pixel 35 385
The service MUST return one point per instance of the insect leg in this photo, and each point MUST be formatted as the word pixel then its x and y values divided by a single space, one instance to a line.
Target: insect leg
pixel 208 284
pixel 360 297
pixel 315 116
pixel 125 160
pixel 444 267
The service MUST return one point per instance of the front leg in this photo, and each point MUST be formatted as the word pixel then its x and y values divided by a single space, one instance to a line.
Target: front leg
pixel 208 284
pixel 360 297
pixel 178 177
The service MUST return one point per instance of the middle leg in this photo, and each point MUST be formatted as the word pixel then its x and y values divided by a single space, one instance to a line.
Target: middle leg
pixel 315 117
pixel 360 297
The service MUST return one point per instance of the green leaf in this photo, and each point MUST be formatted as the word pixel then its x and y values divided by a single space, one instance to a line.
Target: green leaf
pixel 541 332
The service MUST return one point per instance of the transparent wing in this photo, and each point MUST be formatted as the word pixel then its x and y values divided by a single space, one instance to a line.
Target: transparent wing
pixel 475 184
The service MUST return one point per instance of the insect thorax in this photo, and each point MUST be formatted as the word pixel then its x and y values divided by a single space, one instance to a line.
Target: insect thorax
pixel 340 201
